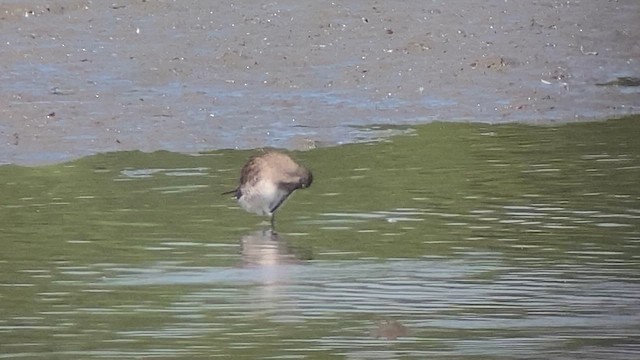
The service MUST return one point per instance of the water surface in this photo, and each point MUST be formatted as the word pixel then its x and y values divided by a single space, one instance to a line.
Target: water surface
pixel 451 241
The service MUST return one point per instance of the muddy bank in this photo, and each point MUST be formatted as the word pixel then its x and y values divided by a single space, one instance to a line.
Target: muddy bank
pixel 81 77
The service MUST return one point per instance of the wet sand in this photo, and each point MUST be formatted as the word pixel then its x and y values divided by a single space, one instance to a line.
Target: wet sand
pixel 83 77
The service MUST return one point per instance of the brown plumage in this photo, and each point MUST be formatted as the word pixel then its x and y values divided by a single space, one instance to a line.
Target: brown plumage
pixel 266 180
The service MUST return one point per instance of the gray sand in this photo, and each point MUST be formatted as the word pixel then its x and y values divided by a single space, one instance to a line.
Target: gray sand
pixel 82 77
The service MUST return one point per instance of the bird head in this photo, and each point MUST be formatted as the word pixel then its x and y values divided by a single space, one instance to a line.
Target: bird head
pixel 306 178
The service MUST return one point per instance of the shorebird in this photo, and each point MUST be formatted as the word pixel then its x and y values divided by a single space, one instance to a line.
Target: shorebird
pixel 266 180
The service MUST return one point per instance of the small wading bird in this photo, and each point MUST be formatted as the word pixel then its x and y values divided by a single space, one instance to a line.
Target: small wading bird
pixel 266 180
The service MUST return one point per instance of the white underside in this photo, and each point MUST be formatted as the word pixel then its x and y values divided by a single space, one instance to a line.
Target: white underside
pixel 261 197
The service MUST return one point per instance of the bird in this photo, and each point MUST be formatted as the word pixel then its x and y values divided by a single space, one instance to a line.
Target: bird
pixel 267 180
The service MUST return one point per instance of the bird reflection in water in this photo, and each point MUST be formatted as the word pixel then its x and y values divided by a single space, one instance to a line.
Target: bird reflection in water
pixel 274 263
pixel 268 248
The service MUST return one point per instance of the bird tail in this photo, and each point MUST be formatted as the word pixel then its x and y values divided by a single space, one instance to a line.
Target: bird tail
pixel 236 192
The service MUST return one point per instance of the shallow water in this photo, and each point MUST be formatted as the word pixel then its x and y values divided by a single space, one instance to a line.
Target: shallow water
pixel 451 241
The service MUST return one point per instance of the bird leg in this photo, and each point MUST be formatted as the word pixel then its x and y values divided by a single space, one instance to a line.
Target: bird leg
pixel 273 222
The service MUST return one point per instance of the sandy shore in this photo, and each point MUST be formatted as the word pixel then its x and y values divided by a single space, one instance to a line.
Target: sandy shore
pixel 81 77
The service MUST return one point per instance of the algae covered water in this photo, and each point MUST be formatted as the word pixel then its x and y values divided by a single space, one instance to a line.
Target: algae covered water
pixel 451 241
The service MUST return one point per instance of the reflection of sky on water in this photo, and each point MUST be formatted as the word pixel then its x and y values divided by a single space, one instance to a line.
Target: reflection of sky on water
pixel 477 292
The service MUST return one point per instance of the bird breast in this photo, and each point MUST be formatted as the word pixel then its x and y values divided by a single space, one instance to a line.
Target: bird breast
pixel 261 197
